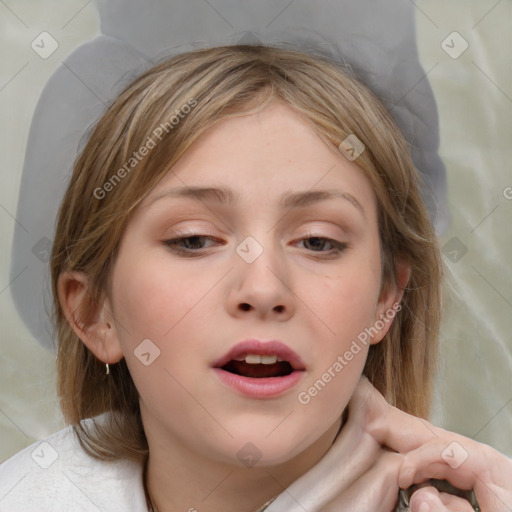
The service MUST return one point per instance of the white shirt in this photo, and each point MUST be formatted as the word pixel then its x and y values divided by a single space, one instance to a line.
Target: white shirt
pixel 57 475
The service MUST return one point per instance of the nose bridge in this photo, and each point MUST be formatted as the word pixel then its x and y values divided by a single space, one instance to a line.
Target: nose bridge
pixel 262 276
pixel 261 261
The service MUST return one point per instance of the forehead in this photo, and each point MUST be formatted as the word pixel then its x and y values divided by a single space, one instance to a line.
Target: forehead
pixel 267 155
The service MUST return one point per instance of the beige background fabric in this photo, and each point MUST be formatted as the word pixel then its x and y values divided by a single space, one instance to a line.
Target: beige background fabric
pixel 473 90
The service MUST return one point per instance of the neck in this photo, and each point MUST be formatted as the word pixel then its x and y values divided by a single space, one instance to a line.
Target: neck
pixel 180 479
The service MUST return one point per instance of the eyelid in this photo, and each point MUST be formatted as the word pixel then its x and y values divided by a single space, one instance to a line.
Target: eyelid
pixel 337 244
pixel 186 232
pixel 316 230
pixel 173 245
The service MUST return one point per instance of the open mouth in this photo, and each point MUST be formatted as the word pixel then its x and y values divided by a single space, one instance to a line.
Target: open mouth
pixel 259 370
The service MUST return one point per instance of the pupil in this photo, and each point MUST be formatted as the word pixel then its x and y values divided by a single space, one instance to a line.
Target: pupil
pixel 316 242
pixel 193 242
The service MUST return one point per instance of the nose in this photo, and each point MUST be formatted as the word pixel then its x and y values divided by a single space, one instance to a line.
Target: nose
pixel 261 288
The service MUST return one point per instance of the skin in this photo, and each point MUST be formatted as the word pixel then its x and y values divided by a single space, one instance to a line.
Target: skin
pixel 425 451
pixel 195 304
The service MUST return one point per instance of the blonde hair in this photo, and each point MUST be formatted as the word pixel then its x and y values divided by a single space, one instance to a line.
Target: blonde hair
pixel 220 82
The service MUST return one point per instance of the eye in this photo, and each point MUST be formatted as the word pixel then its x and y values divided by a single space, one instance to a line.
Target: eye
pixel 323 244
pixel 190 244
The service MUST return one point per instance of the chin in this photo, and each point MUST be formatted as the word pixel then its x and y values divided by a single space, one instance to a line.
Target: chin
pixel 269 446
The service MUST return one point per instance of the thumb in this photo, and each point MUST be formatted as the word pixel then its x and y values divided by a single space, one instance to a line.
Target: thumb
pixel 388 425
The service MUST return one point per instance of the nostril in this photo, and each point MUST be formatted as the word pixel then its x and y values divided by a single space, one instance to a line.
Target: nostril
pixel 244 306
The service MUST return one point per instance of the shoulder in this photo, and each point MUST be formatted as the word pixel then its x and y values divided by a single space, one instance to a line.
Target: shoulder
pixel 56 474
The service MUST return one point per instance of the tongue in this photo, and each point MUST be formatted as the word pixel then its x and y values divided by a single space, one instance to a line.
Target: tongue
pixel 258 371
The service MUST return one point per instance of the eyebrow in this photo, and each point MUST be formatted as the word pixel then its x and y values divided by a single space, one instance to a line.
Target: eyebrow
pixel 227 196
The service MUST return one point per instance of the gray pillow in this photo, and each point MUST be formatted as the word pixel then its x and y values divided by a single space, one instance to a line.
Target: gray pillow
pixel 375 38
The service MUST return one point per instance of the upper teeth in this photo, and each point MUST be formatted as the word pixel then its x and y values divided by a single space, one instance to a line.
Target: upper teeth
pixel 257 359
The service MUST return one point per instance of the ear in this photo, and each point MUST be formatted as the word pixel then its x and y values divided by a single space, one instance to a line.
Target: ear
pixel 388 304
pixel 92 322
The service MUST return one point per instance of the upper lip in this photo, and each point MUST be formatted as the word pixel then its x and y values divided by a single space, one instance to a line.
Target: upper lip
pixel 263 348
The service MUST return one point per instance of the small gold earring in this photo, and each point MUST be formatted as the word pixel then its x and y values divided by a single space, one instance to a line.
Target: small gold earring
pixel 107 368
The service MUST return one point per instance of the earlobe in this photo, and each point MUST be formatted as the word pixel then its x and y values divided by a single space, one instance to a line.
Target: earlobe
pixel 92 321
pixel 389 301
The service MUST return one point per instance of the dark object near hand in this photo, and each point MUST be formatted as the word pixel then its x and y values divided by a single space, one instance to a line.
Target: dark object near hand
pixel 405 495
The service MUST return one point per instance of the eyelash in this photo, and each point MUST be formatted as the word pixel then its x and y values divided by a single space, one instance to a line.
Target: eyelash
pixel 337 246
pixel 180 251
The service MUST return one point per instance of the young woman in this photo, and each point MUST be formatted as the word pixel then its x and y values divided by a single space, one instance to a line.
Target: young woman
pixel 247 303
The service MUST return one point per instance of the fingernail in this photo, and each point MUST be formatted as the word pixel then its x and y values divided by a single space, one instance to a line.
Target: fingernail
pixel 424 507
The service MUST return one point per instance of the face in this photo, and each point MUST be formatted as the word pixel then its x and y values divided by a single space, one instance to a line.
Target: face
pixel 250 271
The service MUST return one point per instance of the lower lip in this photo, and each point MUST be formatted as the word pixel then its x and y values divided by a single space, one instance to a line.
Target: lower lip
pixel 268 387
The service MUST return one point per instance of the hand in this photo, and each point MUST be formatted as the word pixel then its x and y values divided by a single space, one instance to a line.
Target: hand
pixel 431 452
pixel 464 463
pixel 356 474
pixel 429 499
pixel 381 449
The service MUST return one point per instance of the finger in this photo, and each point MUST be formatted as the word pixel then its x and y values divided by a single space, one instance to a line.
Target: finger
pixel 429 499
pixel 487 471
pixel 455 504
pixel 388 425
pixel 377 489
pixel 480 468
pixel 441 460
pixel 465 463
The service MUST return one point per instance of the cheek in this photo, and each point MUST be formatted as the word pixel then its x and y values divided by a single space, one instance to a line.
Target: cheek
pixel 143 305
pixel 173 308
pixel 150 300
pixel 344 303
